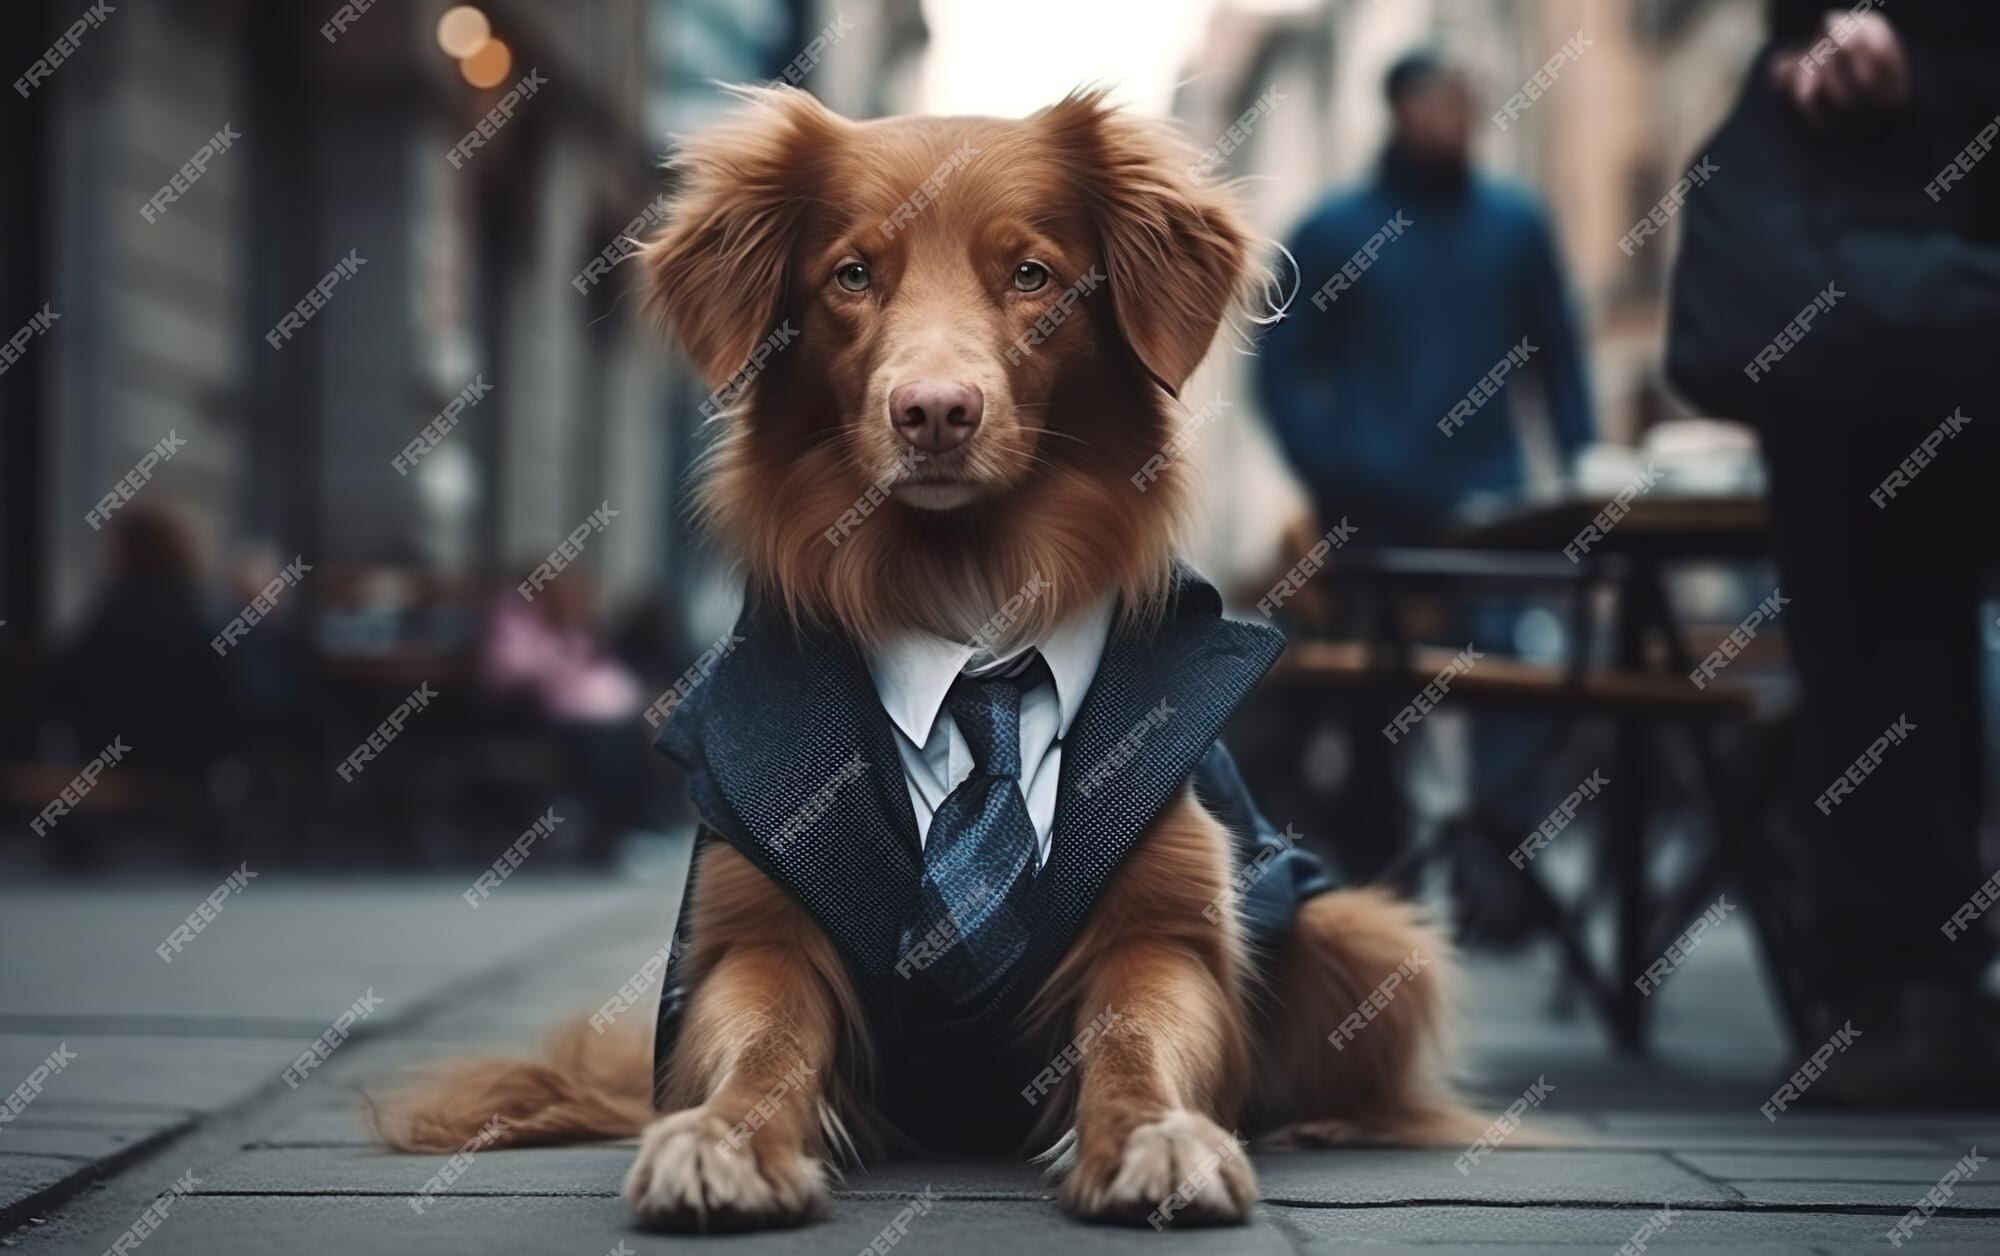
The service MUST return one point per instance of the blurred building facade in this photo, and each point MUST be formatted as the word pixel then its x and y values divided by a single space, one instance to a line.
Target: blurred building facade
pixel 460 277
pixel 321 280
pixel 468 276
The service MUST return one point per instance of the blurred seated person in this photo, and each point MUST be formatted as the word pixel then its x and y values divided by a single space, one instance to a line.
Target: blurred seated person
pixel 550 652
pixel 140 668
pixel 1371 359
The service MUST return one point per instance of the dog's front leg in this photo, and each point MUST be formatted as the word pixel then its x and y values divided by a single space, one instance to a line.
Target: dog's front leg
pixel 1156 985
pixel 752 1060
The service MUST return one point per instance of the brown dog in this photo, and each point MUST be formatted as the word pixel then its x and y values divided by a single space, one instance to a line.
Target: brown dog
pixel 935 282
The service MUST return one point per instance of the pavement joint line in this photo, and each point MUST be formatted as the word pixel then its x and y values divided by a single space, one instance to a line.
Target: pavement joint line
pixel 1295 1235
pixel 89 1172
pixel 1727 1188
pixel 1004 1197
pixel 274 1193
pixel 1839 1182
pixel 119 1025
pixel 999 1197
pixel 1580 1205
pixel 115 1107
pixel 218 1135
pixel 1653 1205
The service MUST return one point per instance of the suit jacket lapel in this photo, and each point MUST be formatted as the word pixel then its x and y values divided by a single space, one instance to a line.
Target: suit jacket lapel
pixel 1162 694
pixel 791 757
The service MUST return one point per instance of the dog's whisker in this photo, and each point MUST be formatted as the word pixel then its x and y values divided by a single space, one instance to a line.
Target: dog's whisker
pixel 1050 431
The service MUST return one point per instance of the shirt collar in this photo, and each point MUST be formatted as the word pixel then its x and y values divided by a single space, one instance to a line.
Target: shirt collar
pixel 913 671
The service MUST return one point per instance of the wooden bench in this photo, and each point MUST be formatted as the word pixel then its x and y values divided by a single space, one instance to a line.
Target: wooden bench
pixel 1503 679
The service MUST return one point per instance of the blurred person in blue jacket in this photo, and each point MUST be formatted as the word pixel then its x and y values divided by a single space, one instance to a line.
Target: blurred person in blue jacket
pixel 1391 384
pixel 1427 293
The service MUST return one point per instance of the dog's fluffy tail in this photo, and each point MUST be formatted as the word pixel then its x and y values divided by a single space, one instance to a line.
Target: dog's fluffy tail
pixel 585 1086
pixel 1367 1031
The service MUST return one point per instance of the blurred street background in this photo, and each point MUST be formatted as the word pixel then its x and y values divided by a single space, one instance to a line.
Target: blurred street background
pixel 475 285
pixel 320 341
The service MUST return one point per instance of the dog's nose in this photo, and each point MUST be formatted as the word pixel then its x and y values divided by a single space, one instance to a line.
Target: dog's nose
pixel 935 414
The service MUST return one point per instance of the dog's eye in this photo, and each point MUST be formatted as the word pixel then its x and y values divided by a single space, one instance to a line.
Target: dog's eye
pixel 1030 277
pixel 853 277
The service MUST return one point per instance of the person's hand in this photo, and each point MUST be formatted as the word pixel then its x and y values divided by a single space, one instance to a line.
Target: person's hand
pixel 1852 64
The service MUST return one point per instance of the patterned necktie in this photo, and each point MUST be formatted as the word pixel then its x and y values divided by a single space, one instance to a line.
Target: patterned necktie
pixel 971 918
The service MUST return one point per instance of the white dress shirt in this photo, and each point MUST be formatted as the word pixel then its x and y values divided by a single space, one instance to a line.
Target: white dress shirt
pixel 914 671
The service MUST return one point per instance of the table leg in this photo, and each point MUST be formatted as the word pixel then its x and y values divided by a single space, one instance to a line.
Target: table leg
pixel 1626 857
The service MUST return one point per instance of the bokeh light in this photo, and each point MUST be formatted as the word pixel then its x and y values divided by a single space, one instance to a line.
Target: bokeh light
pixel 488 66
pixel 463 31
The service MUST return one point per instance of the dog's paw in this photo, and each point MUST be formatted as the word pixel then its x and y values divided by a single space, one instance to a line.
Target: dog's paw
pixel 1181 1169
pixel 691 1174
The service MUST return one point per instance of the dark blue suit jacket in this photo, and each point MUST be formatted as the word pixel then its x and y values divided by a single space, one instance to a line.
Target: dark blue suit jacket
pixel 791 760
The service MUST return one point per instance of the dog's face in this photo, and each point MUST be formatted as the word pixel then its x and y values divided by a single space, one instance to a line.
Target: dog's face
pixel 936 340
pixel 945 302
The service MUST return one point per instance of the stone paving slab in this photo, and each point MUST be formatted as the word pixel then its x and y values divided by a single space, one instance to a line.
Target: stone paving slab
pixel 1749 1132
pixel 118 1096
pixel 1357 1176
pixel 156 1082
pixel 89 1143
pixel 597 1169
pixel 203 1226
pixel 52 1112
pixel 22 1175
pixel 1966 1197
pixel 337 1121
pixel 1332 1231
pixel 1384 1176
pixel 1856 1144
pixel 1796 1125
pixel 332 1113
pixel 161 1046
pixel 295 951
pixel 516 1011
pixel 1924 1169
pixel 285 1170
pixel 1967 1130
pixel 593 1170
pixel 1525 1249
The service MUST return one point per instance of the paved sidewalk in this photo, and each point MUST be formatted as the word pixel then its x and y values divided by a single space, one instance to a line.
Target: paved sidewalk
pixel 178 1068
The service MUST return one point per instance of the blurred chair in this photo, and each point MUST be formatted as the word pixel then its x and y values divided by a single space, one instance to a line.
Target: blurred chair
pixel 1640 691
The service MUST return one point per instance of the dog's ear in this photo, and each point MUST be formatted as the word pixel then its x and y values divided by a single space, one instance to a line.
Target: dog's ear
pixel 717 269
pixel 1176 252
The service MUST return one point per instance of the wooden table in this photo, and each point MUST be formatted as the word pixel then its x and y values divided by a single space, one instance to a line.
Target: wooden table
pixel 1645 686
pixel 1633 556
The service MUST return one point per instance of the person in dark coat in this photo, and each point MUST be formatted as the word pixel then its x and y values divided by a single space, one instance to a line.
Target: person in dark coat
pixel 1879 446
